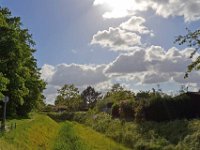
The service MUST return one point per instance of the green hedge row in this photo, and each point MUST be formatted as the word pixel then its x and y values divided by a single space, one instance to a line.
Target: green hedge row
pixel 158 108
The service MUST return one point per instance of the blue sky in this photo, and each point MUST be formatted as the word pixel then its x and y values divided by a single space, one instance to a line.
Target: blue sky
pixel 96 41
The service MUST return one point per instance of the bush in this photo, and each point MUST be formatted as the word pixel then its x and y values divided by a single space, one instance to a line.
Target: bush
pixel 61 116
pixel 115 111
pixel 80 117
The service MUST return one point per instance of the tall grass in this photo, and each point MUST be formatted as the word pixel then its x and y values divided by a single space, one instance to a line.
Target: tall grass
pixel 35 133
pixel 67 139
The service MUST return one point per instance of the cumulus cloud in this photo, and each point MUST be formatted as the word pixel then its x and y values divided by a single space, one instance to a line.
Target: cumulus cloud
pixel 128 63
pixel 189 9
pixel 125 37
pixel 116 39
pixel 79 75
pixel 135 24
pixel 46 72
pixel 144 66
pixel 153 65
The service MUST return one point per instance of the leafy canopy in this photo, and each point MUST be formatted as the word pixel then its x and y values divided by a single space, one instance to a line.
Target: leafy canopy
pixel 191 39
pixel 90 96
pixel 18 66
pixel 69 96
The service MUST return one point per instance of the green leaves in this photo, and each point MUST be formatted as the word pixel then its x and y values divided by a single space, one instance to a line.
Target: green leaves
pixel 69 96
pixel 3 85
pixel 18 65
pixel 191 39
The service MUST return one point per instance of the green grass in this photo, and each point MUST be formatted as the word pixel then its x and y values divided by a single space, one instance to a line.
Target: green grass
pixel 95 140
pixel 67 139
pixel 36 133
pixel 42 133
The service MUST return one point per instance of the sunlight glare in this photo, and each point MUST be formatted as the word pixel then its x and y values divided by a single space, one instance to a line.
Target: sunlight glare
pixel 121 8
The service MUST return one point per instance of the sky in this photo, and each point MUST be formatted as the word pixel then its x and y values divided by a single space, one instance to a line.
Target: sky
pixel 102 42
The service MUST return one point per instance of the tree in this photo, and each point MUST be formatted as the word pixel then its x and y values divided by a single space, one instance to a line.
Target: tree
pixel 118 93
pixel 69 96
pixel 191 39
pixel 90 97
pixel 18 65
pixel 3 85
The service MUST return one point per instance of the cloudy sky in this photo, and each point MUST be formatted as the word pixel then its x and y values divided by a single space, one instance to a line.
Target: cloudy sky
pixel 101 42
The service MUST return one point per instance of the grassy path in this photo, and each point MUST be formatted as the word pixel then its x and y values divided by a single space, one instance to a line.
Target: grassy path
pixel 36 133
pixel 42 133
pixel 95 140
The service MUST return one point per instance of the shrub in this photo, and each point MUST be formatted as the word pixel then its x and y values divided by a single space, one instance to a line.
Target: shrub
pixel 115 111
pixel 80 117
pixel 61 116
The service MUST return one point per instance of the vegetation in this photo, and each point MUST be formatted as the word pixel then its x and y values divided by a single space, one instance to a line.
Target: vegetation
pixel 38 132
pixel 192 39
pixel 41 132
pixel 173 135
pixel 19 75
pixel 69 96
pixel 90 97
pixel 67 139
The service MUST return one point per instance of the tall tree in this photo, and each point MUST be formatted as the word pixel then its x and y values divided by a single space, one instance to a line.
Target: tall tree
pixel 191 39
pixel 18 64
pixel 69 96
pixel 90 97
pixel 118 93
pixel 3 85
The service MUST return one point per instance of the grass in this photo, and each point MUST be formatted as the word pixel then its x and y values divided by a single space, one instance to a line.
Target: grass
pixel 95 140
pixel 42 133
pixel 67 139
pixel 36 133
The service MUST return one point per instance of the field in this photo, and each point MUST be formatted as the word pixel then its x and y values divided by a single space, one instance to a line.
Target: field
pixel 41 132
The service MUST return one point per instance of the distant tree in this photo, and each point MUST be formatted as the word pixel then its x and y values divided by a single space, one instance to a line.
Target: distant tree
pixel 118 93
pixel 90 97
pixel 191 39
pixel 69 96
pixel 18 65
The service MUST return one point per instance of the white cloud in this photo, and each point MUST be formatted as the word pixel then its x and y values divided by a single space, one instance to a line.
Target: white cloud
pixel 135 24
pixel 189 9
pixel 152 65
pixel 77 74
pixel 141 67
pixel 116 39
pixel 128 63
pixel 46 72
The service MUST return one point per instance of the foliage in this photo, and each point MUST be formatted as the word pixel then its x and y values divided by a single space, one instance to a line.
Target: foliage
pixel 90 97
pixel 158 108
pixel 173 135
pixel 3 85
pixel 61 116
pixel 123 110
pixel 18 65
pixel 118 93
pixel 192 39
pixel 115 110
pixel 69 96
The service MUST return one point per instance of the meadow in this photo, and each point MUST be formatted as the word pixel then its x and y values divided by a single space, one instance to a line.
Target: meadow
pixel 41 132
